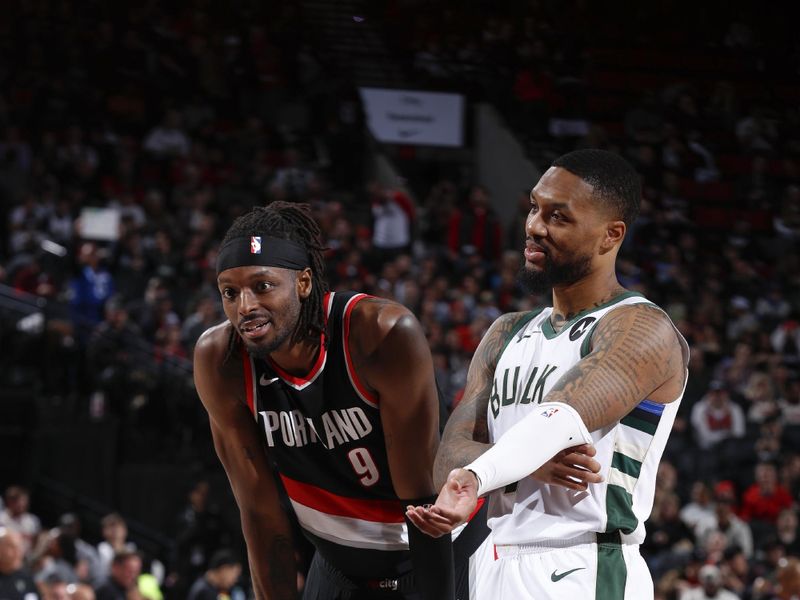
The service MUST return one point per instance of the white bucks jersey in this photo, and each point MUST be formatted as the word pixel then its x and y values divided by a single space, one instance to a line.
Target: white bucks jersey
pixel 532 361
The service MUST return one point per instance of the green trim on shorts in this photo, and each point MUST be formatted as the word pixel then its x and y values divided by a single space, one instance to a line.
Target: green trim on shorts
pixel 612 572
pixel 619 508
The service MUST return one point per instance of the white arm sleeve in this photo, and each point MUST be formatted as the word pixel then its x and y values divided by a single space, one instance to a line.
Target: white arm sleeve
pixel 553 427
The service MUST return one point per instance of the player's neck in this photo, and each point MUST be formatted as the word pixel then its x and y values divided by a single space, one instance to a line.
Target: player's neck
pixel 593 290
pixel 296 358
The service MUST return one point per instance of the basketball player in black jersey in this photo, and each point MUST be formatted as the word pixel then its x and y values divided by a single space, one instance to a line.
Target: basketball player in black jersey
pixel 339 389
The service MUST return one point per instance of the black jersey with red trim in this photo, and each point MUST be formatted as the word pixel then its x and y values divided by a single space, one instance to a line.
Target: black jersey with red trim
pixel 324 434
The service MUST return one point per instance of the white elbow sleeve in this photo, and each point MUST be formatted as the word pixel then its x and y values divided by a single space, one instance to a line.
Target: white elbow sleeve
pixel 551 428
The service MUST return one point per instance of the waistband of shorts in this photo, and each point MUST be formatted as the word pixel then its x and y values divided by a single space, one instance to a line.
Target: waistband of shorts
pixel 546 545
pixel 404 583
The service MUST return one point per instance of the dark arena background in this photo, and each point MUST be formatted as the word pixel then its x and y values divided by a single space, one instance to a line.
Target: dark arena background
pixel 133 133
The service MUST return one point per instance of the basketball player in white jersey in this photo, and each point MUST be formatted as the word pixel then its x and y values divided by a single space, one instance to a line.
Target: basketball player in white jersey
pixel 602 366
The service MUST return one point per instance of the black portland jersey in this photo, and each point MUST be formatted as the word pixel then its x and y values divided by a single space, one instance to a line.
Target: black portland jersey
pixel 324 433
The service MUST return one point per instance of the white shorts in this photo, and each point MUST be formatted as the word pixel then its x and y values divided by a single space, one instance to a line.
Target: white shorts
pixel 575 569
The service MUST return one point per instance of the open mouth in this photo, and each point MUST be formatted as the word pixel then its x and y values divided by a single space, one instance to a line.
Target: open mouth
pixel 254 329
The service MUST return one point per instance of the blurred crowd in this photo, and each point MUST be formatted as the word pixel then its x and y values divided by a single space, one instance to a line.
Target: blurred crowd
pixel 126 151
pixel 56 563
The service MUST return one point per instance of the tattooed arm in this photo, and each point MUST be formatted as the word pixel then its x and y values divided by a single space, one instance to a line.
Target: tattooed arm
pixel 466 435
pixel 266 529
pixel 636 354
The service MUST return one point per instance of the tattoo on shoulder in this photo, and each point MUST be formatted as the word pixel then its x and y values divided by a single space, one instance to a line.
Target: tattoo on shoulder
pixel 481 373
pixel 634 352
pixel 489 349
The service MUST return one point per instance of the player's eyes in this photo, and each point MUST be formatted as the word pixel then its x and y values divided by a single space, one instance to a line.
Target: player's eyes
pixel 263 286
pixel 229 293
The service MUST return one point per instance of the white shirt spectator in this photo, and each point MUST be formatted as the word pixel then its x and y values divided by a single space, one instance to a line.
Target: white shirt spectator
pixel 715 418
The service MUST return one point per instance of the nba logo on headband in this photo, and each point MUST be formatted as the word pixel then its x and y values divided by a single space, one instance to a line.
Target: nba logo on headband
pixel 255 244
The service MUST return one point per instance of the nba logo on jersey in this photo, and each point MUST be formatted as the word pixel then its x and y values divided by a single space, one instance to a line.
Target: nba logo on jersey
pixel 255 244
pixel 550 412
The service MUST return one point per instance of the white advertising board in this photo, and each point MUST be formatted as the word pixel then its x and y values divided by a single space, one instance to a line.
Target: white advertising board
pixel 414 117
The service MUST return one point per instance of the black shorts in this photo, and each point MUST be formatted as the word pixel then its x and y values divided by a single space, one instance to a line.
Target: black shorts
pixel 325 582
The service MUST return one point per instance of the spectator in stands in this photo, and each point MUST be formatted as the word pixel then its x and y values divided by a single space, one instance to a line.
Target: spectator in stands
pixel 26 222
pixel 790 401
pixel 55 555
pixel 16 582
pixel 392 217
pixel 168 140
pixel 760 395
pixel 475 229
pixel 200 532
pixel 788 578
pixel 710 586
pixel 15 515
pixel 785 338
pixel 787 531
pixel 766 498
pixel 735 571
pixel 220 578
pixel 91 287
pixel 115 539
pixel 117 358
pixel 126 566
pixel 293 180
pixel 715 417
pixel 54 587
pixel 668 540
pixel 701 506
pixel 742 320
pixel 725 521
pixel 206 314
pixel 70 525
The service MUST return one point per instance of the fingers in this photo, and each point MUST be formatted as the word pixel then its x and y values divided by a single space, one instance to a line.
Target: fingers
pixel 564 471
pixel 587 449
pixel 429 522
pixel 581 461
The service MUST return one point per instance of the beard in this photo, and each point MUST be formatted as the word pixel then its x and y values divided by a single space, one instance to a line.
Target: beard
pixel 537 281
pixel 264 348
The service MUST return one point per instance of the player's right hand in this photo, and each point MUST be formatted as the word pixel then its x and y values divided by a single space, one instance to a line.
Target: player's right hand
pixel 454 505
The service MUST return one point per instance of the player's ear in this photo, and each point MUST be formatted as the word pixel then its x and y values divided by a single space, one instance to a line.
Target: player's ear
pixel 304 283
pixel 613 236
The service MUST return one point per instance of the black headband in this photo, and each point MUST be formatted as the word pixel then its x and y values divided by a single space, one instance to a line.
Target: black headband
pixel 262 251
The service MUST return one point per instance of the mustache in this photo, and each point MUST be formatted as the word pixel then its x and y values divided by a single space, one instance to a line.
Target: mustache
pixel 537 244
pixel 248 318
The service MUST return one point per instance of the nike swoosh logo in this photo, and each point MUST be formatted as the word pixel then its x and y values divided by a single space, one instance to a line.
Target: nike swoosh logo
pixel 561 576
pixel 265 381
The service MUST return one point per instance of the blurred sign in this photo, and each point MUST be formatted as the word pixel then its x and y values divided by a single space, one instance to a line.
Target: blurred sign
pixel 412 117
pixel 100 224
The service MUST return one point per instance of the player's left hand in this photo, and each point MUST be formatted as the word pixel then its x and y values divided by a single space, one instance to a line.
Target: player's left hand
pixel 454 505
pixel 574 468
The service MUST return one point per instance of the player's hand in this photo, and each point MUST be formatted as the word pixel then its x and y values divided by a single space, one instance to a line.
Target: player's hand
pixel 573 468
pixel 454 505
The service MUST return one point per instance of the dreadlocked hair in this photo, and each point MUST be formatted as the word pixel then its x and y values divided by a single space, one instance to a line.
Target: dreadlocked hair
pixel 291 221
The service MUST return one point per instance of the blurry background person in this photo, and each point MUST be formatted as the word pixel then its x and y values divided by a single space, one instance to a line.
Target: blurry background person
pixel 15 515
pixel 224 570
pixel 16 583
pixel 122 583
pixel 115 539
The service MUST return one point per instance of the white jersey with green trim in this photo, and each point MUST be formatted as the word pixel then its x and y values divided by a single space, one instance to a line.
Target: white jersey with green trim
pixel 532 361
